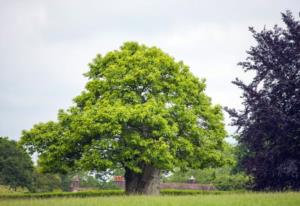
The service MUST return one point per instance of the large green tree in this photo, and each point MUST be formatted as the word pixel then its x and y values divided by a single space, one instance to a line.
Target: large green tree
pixel 16 167
pixel 141 111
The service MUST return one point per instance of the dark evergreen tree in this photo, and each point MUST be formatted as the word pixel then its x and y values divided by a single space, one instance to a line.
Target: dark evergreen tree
pixel 269 124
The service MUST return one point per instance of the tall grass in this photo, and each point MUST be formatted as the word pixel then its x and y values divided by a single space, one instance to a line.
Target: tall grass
pixel 243 199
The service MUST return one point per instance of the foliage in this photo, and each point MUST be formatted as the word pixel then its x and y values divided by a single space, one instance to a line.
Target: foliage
pixel 15 165
pixel 139 108
pixel 269 124
pixel 45 182
pixel 91 193
pixel 228 181
pixel 94 193
pixel 87 181
pixel 222 178
pixel 66 180
pixel 227 177
pixel 6 189
pixel 96 181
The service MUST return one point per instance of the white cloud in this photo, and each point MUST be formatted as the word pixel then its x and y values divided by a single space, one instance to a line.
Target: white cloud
pixel 45 46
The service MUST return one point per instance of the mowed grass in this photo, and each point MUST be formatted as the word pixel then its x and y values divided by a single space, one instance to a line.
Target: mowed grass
pixel 244 199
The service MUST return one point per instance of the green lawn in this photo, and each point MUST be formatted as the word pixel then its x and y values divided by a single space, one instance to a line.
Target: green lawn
pixel 245 199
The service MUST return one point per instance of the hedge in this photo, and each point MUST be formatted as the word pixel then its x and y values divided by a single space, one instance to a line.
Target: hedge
pixel 97 193
pixel 189 192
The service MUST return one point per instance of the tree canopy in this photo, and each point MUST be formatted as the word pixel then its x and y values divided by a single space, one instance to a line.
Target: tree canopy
pixel 15 165
pixel 270 120
pixel 140 110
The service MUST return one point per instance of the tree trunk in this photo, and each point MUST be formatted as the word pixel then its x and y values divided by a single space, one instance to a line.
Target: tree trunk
pixel 146 182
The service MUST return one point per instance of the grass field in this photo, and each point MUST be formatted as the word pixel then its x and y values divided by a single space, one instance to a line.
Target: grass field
pixel 245 199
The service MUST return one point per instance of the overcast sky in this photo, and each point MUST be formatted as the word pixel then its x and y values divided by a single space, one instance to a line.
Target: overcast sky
pixel 45 46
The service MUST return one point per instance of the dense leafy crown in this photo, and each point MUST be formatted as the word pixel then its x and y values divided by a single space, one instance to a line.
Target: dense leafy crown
pixel 270 121
pixel 15 165
pixel 139 106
